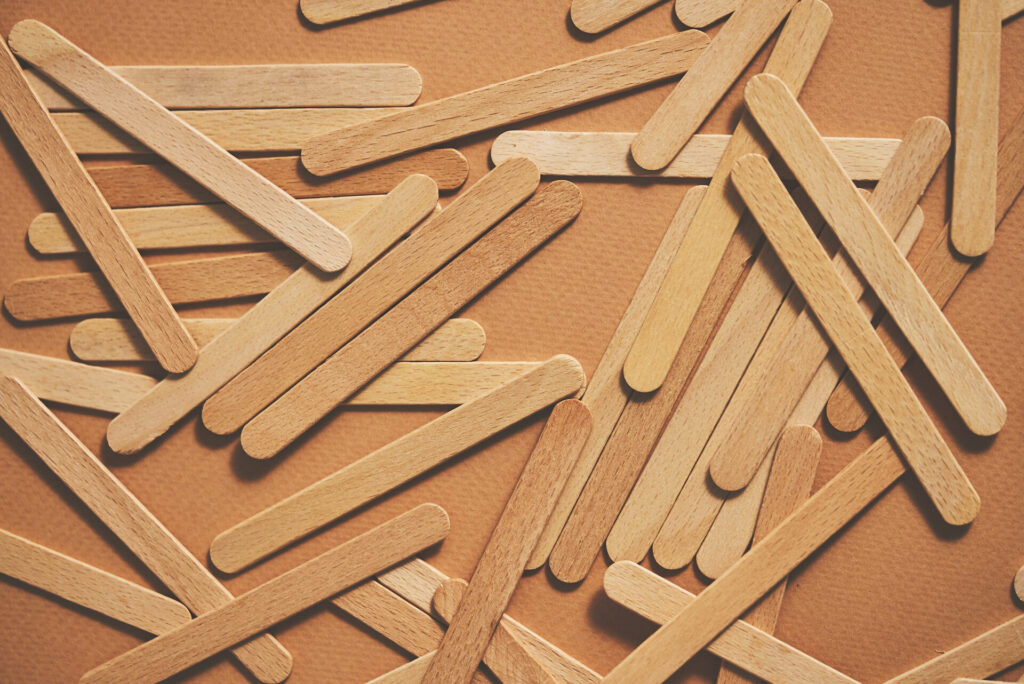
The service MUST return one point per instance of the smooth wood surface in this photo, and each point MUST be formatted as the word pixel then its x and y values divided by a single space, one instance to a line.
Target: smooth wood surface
pixel 270 319
pixel 719 214
pixel 391 616
pixel 700 13
pixel 385 282
pixel 1018 584
pixel 314 581
pixel 89 586
pixel 513 538
pixel 258 85
pixel 1011 7
pixel 438 383
pixel 979 33
pixel 743 644
pixel 394 464
pixel 95 224
pixel 329 11
pixel 876 257
pixel 595 16
pixel 504 103
pixel 684 110
pixel 412 319
pixel 987 654
pixel 131 521
pixel 181 144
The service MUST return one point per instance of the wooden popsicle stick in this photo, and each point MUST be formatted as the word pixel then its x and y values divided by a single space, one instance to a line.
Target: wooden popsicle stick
pixel 182 145
pixel 684 110
pixel 284 308
pixel 184 282
pixel 438 383
pixel 391 616
pixel 67 382
pixel 503 103
pixel 719 214
pixel 1018 584
pixel 512 540
pixel 979 31
pixel 329 11
pixel 193 225
pixel 258 85
pixel 314 581
pixel 412 319
pixel 122 267
pixel 872 250
pixel 89 586
pixel 394 464
pixel 997 649
pixel 131 521
pixel 606 155
pixel 743 644
pixel 700 13
pixel 595 16
pixel 371 295
pixel 689 630
pixel 1011 7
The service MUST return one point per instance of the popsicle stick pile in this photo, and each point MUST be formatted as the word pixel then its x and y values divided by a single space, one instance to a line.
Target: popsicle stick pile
pixel 781 292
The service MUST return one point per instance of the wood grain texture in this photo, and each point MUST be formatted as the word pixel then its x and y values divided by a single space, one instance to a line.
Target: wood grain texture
pixel 719 214
pixel 385 282
pixel 438 383
pixel 329 11
pixel 89 586
pixel 391 616
pixel 99 230
pixel 1011 8
pixel 987 654
pixel 979 32
pixel 684 110
pixel 182 145
pixel 306 585
pixel 394 464
pixel 700 13
pixel 504 103
pixel 1018 584
pixel 131 521
pixel 595 16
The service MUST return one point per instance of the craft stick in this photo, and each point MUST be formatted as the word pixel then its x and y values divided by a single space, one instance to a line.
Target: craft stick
pixel 97 227
pixel 863 236
pixel 329 11
pixel 438 383
pixel 504 103
pixel 979 31
pixel 184 282
pixel 606 155
pixel 394 464
pixel 67 382
pixel 391 616
pixel 412 319
pixel 89 586
pixel 684 110
pixel 314 581
pixel 1018 584
pixel 685 632
pixel 284 308
pixel 131 521
pixel 595 16
pixel 700 13
pixel 182 145
pixel 384 283
pixel 1011 8
pixel 192 225
pixel 258 85
pixel 512 540
pixel 743 644
pixel 997 649
pixel 719 214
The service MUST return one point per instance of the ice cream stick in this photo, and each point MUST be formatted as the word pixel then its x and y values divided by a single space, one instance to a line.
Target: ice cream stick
pixel 999 648
pixel 391 616
pixel 1018 584
pixel 438 383
pixel 328 11
pixel 700 13
pixel 595 16
pixel 1011 7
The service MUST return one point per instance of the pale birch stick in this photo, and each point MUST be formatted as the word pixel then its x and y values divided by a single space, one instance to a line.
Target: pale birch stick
pixel 1011 8
pixel 999 648
pixel 438 383
pixel 595 16
pixel 1018 584
pixel 391 616
pixel 329 11
pixel 700 13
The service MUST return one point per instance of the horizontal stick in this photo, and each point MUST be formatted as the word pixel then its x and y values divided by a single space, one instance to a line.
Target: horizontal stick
pixel 329 11
pixel 700 13
pixel 997 649
pixel 391 616
pixel 595 16
pixel 438 383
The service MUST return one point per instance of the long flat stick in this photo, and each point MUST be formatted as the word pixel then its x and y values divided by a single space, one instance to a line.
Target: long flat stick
pixel 270 319
pixel 1011 7
pixel 1018 584
pixel 313 581
pixel 595 16
pixel 690 102
pixel 504 103
pixel 89 586
pixel 391 616
pixel 504 557
pixel 997 649
pixel 700 13
pixel 329 11
pixel 131 521
pixel 373 293
pixel 123 269
pixel 394 464
pixel 438 383
pixel 182 145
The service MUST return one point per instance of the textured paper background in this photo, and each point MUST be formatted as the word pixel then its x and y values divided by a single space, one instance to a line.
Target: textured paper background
pixel 894 590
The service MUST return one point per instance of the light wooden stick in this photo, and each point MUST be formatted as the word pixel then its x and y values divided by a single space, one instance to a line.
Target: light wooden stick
pixel 291 301
pixel 280 598
pixel 438 383
pixel 391 616
pixel 371 295
pixel 258 85
pixel 504 557
pixel 182 145
pixel 1011 7
pixel 743 644
pixel 719 214
pixel 392 465
pixel 131 521
pixel 1018 584
pixel 329 11
pixel 504 103
pixel 684 110
pixel 999 648
pixel 89 586
pixel 973 224
pixel 595 16
pixel 700 13
pixel 122 267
